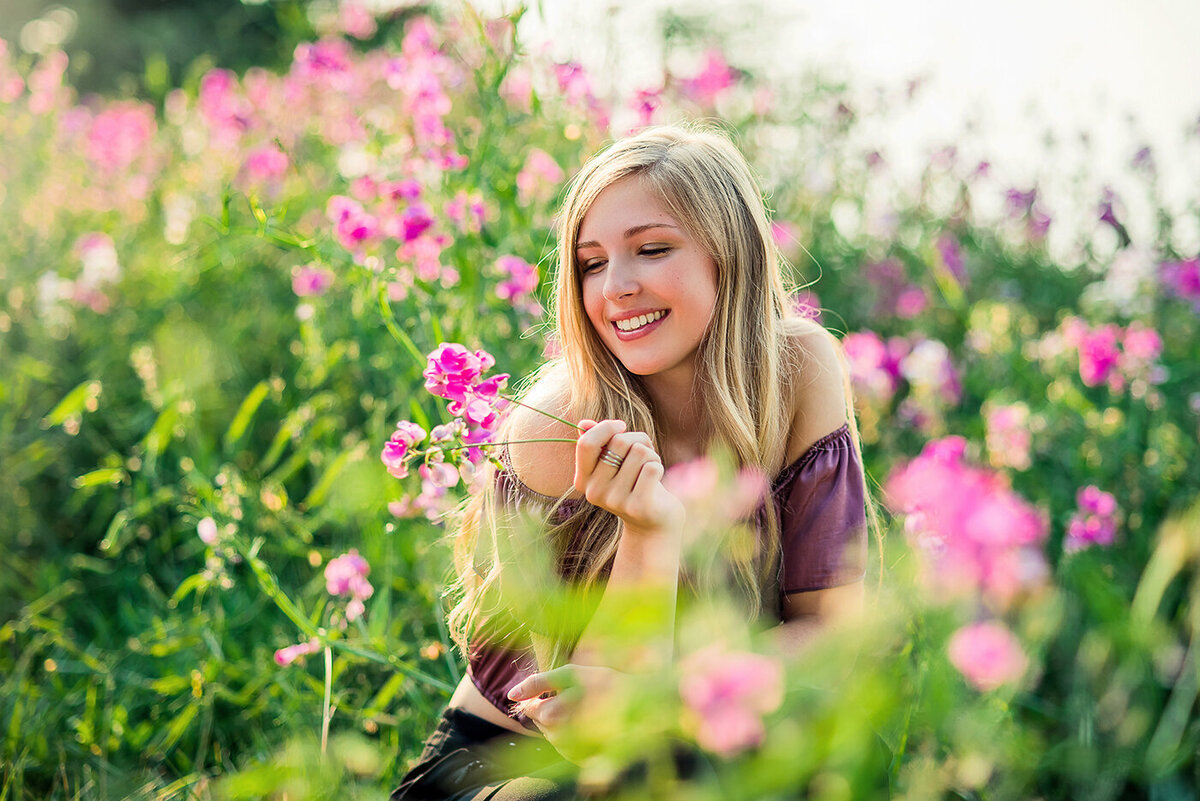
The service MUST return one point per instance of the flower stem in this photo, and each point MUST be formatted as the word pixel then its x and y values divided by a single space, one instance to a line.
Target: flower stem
pixel 327 710
pixel 543 412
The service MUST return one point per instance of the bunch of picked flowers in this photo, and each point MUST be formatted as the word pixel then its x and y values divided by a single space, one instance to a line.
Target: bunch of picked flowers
pixel 454 450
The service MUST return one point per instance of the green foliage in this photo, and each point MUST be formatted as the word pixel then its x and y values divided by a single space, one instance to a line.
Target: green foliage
pixel 191 389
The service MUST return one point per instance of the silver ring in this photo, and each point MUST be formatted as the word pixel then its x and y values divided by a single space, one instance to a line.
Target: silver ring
pixel 611 459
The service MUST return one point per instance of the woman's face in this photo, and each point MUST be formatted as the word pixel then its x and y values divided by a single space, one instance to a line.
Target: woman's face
pixel 649 288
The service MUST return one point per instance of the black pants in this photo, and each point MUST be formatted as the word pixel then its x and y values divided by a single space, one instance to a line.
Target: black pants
pixel 466 759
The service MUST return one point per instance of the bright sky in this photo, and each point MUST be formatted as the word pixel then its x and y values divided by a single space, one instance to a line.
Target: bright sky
pixel 1018 69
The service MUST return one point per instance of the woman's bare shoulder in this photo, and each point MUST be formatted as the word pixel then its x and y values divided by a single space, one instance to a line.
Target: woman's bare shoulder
pixel 547 468
pixel 820 394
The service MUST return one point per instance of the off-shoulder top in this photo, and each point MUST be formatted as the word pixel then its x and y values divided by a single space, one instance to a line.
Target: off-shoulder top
pixel 822 525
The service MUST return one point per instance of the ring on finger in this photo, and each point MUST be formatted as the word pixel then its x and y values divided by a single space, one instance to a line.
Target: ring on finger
pixel 611 459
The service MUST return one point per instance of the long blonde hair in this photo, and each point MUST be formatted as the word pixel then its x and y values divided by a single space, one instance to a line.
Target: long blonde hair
pixel 705 183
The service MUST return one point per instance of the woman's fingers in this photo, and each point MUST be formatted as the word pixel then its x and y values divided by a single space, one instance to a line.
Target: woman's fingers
pixel 551 681
pixel 588 449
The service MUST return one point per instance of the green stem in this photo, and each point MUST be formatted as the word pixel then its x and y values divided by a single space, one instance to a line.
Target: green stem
pixel 541 411
pixel 389 321
pixel 326 710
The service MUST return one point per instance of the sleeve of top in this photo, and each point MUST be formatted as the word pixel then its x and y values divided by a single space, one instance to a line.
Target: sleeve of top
pixel 822 516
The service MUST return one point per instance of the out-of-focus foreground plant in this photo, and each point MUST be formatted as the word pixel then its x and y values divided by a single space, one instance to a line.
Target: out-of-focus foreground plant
pixel 215 312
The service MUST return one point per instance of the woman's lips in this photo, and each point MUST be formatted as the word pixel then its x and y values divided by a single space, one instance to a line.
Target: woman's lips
pixel 638 333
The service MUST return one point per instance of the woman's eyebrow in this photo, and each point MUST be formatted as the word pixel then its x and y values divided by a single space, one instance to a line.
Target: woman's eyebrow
pixel 631 232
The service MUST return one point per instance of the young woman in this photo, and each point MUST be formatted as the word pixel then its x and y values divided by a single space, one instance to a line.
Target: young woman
pixel 678 339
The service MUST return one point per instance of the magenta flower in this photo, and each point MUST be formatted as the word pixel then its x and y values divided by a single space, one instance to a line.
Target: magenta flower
pixel 347 575
pixel 288 655
pixel 714 78
pixel 538 178
pixel 874 365
pixel 119 135
pixel 267 163
pixel 646 103
pixel 950 253
pixel 356 20
pixel 353 226
pixel 521 279
pixel 311 280
pixel 1094 522
pixel 452 371
pixel 397 450
pixel 1099 356
pixel 726 695
pixel 988 655
pixel 974 534
pixel 1182 278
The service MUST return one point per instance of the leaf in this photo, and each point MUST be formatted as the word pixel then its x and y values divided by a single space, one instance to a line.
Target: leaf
pixel 105 475
pixel 320 490
pixel 113 540
pixel 82 398
pixel 159 435
pixel 385 695
pixel 245 414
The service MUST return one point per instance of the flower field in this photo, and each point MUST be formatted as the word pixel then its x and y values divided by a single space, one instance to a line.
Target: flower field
pixel 255 343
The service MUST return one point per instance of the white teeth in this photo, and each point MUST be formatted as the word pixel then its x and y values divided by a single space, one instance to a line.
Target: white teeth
pixel 633 323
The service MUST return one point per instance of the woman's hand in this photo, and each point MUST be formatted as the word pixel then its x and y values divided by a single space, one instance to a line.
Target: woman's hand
pixel 556 699
pixel 633 491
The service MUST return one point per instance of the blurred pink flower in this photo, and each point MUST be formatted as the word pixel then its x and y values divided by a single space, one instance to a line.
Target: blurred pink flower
pixel 311 280
pixel 1182 278
pixel 806 304
pixel 874 365
pixel 975 535
pixel 347 575
pixel 266 163
pixel 288 655
pixel 119 135
pixel 646 104
pixel 355 19
pixel 46 90
pixel 988 655
pixel 99 257
pixel 951 256
pixel 439 474
pixel 539 177
pixel 713 79
pixel 353 226
pixel 1009 439
pixel 1099 356
pixel 1094 522
pixel 911 302
pixel 727 693
pixel 521 279
pixel 11 84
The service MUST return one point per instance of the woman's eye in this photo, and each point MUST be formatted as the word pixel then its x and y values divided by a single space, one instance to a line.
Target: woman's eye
pixel 593 264
pixel 655 250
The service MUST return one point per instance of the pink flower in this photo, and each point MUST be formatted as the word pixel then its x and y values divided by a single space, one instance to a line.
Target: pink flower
pixel 974 534
pixel 727 694
pixel 347 575
pixel 267 163
pixel 874 364
pixel 206 530
pixel 707 86
pixel 1009 439
pixel 439 474
pixel 311 280
pixel 119 135
pixel 1182 278
pixel 951 257
pixel 1094 522
pixel 521 278
pixel 805 303
pixel 987 655
pixel 1099 355
pixel 397 450
pixel 911 302
pixel 356 20
pixel 100 263
pixel 647 102
pixel 452 371
pixel 540 175
pixel 288 655
pixel 353 226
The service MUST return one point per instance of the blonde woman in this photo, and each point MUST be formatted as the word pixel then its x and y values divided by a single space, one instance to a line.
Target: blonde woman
pixel 678 340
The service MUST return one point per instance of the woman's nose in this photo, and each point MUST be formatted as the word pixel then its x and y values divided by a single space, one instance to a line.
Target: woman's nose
pixel 619 282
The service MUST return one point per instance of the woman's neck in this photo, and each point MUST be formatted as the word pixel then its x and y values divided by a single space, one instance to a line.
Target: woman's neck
pixel 679 413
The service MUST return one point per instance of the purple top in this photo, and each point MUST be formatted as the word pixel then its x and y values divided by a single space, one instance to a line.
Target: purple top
pixel 822 526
